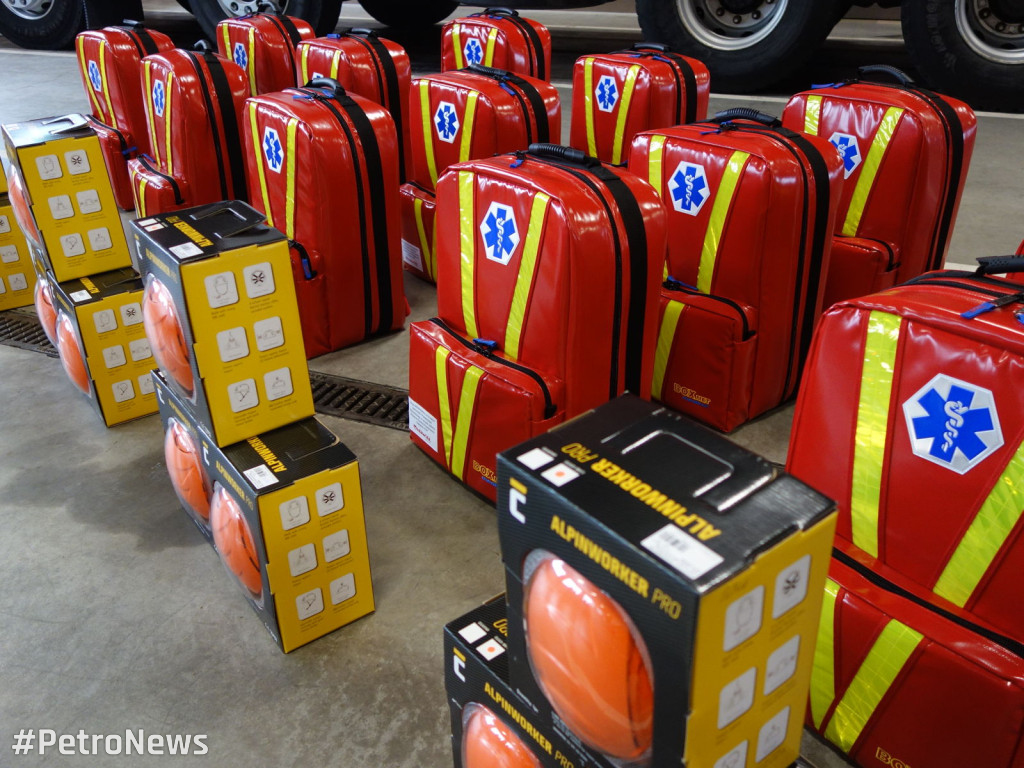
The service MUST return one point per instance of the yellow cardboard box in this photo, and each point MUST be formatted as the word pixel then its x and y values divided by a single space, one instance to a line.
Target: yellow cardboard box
pixel 17 277
pixel 229 277
pixel 106 313
pixel 299 492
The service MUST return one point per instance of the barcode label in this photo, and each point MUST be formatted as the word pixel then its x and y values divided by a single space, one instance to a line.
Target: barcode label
pixel 682 551
pixel 260 476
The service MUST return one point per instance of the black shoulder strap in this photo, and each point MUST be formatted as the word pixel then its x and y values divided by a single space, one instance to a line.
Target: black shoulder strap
pixel 290 28
pixel 529 92
pixel 687 110
pixel 289 32
pixel 540 70
pixel 143 41
pixel 392 92
pixel 229 118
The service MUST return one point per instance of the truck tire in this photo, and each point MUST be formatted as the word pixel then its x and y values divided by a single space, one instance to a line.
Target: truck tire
pixel 42 24
pixel 409 13
pixel 746 44
pixel 210 12
pixel 971 49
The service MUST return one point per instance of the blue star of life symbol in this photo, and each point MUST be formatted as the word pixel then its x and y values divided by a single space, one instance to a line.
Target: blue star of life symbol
pixel 159 98
pixel 446 120
pixel 240 56
pixel 474 51
pixel 607 93
pixel 500 233
pixel 953 423
pixel 688 187
pixel 849 149
pixel 273 150
pixel 94 76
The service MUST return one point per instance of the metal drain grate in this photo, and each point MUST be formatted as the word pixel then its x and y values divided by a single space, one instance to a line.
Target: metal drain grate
pixel 25 332
pixel 360 400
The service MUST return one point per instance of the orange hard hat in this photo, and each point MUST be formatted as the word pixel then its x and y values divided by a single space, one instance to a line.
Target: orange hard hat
pixel 186 469
pixel 588 658
pixel 22 210
pixel 166 337
pixel 45 309
pixel 70 351
pixel 489 742
pixel 233 540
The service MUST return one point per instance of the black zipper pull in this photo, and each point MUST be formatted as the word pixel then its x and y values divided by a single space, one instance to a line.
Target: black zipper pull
pixel 988 306
pixel 672 284
pixel 485 347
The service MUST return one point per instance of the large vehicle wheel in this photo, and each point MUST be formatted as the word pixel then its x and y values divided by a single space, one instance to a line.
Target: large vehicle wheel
pixel 409 13
pixel 42 24
pixel 210 12
pixel 746 44
pixel 971 49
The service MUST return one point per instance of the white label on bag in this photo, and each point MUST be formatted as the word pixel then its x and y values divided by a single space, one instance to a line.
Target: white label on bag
pixel 423 424
pixel 682 551
pixel 412 255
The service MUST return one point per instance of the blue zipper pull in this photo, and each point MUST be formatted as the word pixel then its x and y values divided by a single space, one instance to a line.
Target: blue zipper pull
pixel 988 306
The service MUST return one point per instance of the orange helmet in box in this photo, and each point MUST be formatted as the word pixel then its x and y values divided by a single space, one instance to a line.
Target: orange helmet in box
pixel 233 540
pixel 588 658
pixel 488 741
pixel 45 309
pixel 186 469
pixel 70 351
pixel 165 334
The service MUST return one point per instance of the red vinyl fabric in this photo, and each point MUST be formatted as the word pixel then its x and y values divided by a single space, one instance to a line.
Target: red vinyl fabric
pixel 365 65
pixel 154 191
pixel 617 95
pixel 117 153
pixel 263 44
pixel 419 231
pixel 750 215
pixel 897 681
pixel 497 37
pixel 858 267
pixel 323 167
pixel 910 417
pixel 109 61
pixel 477 113
pixel 547 265
pixel 906 153
pixel 194 109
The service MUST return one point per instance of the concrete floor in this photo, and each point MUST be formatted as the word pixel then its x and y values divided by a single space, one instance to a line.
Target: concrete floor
pixel 115 614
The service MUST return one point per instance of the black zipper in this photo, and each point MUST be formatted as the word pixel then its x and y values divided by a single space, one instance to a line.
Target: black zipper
pixel 1014 647
pixel 674 285
pixel 999 298
pixel 145 161
pixel 488 350
pixel 421 188
pixel 120 136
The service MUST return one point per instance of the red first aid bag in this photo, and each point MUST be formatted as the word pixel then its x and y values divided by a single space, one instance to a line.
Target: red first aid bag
pixel 263 44
pixel 497 37
pixel 910 416
pixel 419 231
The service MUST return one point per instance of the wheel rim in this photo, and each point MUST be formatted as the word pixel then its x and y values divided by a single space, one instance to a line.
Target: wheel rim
pixel 33 10
pixel 241 7
pixel 993 29
pixel 730 25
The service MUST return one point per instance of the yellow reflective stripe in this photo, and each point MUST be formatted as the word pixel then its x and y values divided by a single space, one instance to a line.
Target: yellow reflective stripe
pixel 883 335
pixel 986 535
pixel 97 108
pixel 304 63
pixel 719 213
pixel 150 115
pixel 812 115
pixel 289 200
pixel 880 667
pixel 250 61
pixel 335 65
pixel 140 199
pixel 257 148
pixel 588 105
pixel 666 337
pixel 869 172
pixel 620 120
pixel 464 419
pixel 823 673
pixel 655 158
pixel 467 249
pixel 225 35
pixel 428 130
pixel 524 280
pixel 457 45
pixel 467 126
pixel 443 402
pixel 425 243
pixel 106 90
pixel 489 53
pixel 167 122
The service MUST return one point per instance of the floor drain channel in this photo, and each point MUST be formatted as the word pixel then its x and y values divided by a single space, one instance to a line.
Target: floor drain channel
pixel 25 332
pixel 360 400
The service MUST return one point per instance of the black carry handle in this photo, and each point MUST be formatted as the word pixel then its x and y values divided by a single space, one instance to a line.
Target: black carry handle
pixel 898 75
pixel 203 46
pixel 268 6
pixel 337 92
pixel 361 31
pixel 566 154
pixel 660 47
pixel 746 113
pixel 490 71
pixel 999 265
pixel 499 11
